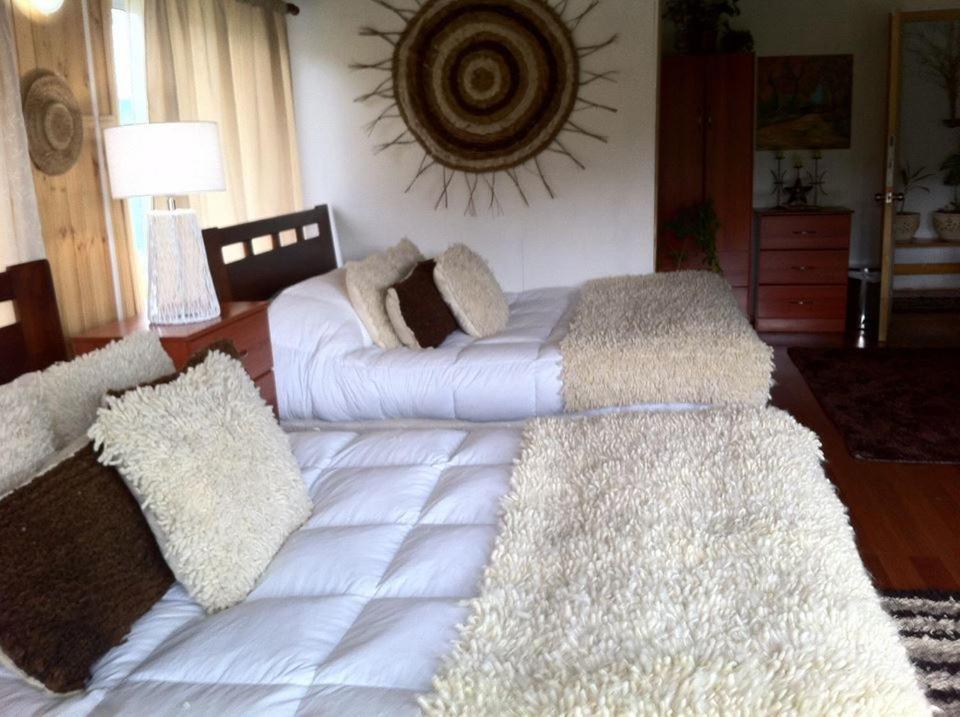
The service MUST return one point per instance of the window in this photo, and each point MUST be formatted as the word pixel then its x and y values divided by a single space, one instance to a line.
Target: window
pixel 130 71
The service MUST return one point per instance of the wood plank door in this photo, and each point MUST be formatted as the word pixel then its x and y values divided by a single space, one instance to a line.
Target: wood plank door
pixel 680 163
pixel 728 158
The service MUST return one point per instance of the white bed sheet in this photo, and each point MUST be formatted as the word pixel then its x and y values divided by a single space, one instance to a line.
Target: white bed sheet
pixel 353 615
pixel 327 367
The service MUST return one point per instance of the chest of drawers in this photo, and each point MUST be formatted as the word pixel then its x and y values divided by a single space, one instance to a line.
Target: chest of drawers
pixel 801 270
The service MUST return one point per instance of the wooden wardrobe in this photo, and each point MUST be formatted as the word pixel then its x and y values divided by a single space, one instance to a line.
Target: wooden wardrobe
pixel 706 153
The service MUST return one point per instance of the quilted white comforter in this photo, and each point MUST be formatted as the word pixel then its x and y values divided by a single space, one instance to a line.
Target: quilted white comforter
pixel 355 612
pixel 327 367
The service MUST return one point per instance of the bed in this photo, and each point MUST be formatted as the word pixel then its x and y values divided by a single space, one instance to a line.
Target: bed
pixel 360 609
pixel 328 368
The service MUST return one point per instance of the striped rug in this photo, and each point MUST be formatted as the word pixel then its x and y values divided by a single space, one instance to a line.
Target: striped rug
pixel 929 625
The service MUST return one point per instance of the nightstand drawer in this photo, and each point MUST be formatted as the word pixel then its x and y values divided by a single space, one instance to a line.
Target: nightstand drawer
pixel 803 267
pixel 245 334
pixel 250 336
pixel 799 231
pixel 268 389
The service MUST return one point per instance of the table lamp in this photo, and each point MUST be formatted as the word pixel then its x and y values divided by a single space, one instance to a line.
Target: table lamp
pixel 166 160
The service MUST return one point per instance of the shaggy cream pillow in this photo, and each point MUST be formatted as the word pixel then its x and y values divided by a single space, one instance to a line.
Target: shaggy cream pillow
pixel 73 390
pixel 471 291
pixel 27 440
pixel 367 284
pixel 213 472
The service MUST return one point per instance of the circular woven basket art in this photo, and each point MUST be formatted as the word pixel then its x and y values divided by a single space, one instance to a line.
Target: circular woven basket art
pixel 53 122
pixel 485 87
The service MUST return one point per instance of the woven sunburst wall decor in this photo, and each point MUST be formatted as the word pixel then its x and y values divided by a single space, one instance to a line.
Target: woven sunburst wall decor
pixel 485 87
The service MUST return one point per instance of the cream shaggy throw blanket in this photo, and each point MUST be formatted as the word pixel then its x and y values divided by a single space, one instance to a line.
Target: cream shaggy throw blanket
pixel 662 338
pixel 694 563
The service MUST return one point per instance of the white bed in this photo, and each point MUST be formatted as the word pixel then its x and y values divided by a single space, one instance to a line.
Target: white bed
pixel 327 367
pixel 355 612
pixel 360 607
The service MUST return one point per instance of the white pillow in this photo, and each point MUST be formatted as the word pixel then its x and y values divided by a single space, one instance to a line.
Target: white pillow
pixel 27 437
pixel 471 291
pixel 367 284
pixel 73 390
pixel 213 472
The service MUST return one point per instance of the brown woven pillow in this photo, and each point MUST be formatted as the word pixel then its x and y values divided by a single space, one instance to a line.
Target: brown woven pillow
pixel 224 346
pixel 417 311
pixel 78 566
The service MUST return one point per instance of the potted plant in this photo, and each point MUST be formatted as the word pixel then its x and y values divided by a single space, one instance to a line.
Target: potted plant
pixel 906 224
pixel 947 220
pixel 700 223
pixel 698 24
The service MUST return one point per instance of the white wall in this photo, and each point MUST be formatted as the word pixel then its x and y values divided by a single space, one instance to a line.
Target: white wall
pixel 602 221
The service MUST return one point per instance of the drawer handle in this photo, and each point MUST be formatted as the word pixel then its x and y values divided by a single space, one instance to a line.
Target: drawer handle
pixel 801 268
pixel 806 232
pixel 802 302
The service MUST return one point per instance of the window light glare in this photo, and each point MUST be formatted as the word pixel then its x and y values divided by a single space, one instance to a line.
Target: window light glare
pixel 47 7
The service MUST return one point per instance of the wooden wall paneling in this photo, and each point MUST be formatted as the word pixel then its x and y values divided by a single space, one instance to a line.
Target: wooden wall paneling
pixel 71 206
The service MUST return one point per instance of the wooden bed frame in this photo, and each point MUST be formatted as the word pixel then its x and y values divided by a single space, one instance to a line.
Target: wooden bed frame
pixel 36 340
pixel 259 277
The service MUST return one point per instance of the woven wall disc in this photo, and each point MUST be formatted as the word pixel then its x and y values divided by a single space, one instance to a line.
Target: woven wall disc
pixel 485 85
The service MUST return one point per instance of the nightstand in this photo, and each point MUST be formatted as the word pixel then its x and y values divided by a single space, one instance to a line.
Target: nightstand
pixel 244 323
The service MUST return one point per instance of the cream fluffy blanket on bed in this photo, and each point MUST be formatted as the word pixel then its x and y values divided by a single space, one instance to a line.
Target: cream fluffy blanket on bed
pixel 694 563
pixel 662 338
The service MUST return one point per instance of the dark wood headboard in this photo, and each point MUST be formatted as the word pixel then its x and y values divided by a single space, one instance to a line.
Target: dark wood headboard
pixel 36 339
pixel 258 277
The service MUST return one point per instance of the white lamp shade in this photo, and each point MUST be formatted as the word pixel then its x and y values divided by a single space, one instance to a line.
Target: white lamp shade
pixel 164 159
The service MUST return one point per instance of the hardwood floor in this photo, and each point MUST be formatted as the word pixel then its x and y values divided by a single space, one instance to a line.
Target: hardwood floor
pixel 906 517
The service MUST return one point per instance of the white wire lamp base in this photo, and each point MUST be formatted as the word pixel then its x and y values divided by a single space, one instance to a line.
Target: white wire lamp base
pixel 180 289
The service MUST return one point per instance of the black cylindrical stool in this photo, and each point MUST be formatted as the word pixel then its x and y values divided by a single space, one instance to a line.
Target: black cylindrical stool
pixel 863 303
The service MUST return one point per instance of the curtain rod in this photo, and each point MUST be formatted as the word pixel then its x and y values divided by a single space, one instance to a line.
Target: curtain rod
pixel 287 8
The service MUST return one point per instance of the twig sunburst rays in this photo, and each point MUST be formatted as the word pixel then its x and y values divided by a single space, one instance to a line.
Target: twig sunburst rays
pixel 485 88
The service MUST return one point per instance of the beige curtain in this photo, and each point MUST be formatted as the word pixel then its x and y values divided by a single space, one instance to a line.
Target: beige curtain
pixel 20 237
pixel 228 62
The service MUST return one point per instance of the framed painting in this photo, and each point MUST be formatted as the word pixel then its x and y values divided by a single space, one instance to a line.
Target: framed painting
pixel 804 102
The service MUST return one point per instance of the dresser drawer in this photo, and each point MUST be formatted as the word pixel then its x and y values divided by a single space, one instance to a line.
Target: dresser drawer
pixel 801 308
pixel 801 231
pixel 803 267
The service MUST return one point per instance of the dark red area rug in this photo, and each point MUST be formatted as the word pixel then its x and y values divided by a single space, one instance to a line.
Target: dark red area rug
pixel 898 405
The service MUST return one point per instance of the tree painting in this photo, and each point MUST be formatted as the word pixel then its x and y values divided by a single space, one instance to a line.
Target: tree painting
pixel 938 54
pixel 804 102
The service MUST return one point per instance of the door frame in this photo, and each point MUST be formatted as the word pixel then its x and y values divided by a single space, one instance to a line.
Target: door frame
pixel 898 21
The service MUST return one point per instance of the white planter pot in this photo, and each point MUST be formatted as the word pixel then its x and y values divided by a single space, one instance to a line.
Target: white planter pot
pixel 947 226
pixel 905 226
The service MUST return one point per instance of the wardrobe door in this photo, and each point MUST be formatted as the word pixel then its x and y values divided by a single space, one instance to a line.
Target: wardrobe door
pixel 680 165
pixel 728 180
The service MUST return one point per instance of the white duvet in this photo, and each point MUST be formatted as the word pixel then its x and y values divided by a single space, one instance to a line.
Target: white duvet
pixel 354 613
pixel 327 367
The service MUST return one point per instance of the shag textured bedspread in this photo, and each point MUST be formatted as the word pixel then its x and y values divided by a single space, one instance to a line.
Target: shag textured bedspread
pixel 662 338
pixel 696 563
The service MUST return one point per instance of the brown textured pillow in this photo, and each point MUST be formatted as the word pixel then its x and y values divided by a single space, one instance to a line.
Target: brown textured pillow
pixel 417 311
pixel 78 566
pixel 224 346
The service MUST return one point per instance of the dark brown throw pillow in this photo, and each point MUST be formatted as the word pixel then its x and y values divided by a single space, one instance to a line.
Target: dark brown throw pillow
pixel 78 566
pixel 417 311
pixel 224 346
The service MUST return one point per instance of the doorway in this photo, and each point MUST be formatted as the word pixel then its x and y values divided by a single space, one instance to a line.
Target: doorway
pixel 920 282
